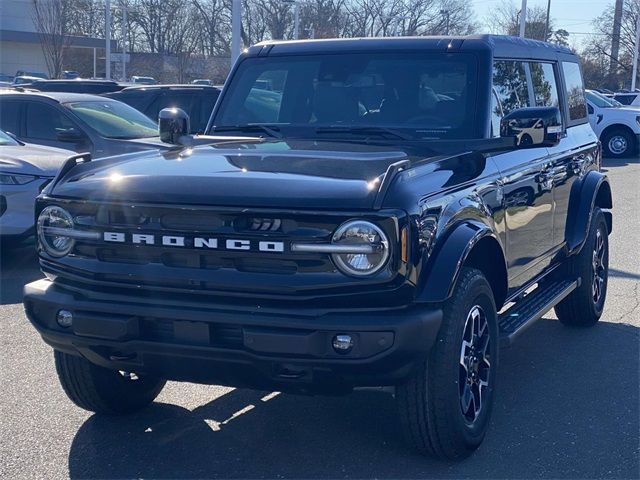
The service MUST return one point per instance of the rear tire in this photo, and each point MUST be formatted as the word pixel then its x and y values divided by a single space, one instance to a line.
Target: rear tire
pixel 101 390
pixel 583 307
pixel 445 406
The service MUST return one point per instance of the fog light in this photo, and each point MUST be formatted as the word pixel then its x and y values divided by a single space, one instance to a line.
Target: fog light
pixel 64 318
pixel 342 343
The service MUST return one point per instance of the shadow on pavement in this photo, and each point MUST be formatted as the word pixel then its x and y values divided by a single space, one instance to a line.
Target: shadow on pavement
pixel 18 265
pixel 567 407
pixel 608 162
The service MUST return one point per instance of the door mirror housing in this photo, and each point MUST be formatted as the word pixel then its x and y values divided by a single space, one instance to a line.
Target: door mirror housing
pixel 533 126
pixel 70 135
pixel 173 125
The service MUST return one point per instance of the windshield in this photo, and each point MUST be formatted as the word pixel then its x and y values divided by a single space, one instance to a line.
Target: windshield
pixel 115 119
pixel 6 139
pixel 421 95
pixel 601 101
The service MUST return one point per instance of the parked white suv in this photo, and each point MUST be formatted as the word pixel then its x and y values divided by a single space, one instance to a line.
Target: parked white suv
pixel 617 126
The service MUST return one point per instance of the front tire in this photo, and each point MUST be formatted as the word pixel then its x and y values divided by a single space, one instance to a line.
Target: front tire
pixel 618 143
pixel 101 390
pixel 583 307
pixel 445 406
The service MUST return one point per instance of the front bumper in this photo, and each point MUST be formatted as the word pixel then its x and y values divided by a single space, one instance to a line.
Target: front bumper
pixel 247 347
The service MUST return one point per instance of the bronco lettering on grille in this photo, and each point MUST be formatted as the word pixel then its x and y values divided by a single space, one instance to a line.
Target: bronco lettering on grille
pixel 193 242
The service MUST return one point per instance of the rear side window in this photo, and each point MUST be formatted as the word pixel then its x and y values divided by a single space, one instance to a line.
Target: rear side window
pixel 545 88
pixel 575 92
pixel 510 85
pixel 625 99
pixel 9 117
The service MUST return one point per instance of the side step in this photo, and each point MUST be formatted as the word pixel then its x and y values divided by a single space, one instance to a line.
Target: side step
pixel 531 308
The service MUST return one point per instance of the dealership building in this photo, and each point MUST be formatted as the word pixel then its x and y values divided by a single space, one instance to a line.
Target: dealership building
pixel 20 48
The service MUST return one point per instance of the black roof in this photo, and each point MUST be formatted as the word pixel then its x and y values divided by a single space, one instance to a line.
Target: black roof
pixel 500 45
pixel 60 97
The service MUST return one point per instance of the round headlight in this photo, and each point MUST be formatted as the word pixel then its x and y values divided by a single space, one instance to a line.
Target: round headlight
pixel 52 223
pixel 370 248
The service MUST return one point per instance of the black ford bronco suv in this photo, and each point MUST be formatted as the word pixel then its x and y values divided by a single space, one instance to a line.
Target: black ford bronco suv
pixel 368 212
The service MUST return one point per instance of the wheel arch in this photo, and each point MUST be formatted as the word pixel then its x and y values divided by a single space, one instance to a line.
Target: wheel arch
pixel 593 191
pixel 471 244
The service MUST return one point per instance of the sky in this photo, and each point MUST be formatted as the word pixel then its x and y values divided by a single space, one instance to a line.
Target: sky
pixel 575 16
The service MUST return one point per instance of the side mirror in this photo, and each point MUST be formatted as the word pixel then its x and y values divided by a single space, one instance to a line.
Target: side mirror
pixel 70 135
pixel 533 127
pixel 173 123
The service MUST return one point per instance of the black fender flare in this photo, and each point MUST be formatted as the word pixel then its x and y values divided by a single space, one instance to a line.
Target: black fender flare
pixel 444 264
pixel 593 190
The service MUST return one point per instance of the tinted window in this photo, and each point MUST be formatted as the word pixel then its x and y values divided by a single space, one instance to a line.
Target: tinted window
pixel 544 84
pixel 207 102
pixel 575 91
pixel 115 119
pixel 9 116
pixel 426 94
pixel 510 84
pixel 44 122
pixel 625 99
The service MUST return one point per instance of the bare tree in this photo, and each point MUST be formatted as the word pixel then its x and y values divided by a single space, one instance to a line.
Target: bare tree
pixel 505 19
pixel 51 19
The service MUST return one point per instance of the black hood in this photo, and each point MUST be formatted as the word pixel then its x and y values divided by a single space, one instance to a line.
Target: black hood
pixel 272 174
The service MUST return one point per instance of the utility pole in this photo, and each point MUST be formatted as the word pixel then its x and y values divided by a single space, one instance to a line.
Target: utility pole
pixel 615 39
pixel 236 26
pixel 635 55
pixel 107 38
pixel 546 23
pixel 123 6
pixel 523 18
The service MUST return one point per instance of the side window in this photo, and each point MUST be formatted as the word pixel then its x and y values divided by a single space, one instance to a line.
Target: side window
pixel 545 88
pixel 9 117
pixel 44 121
pixel 624 99
pixel 496 115
pixel 575 92
pixel 207 102
pixel 510 84
pixel 590 109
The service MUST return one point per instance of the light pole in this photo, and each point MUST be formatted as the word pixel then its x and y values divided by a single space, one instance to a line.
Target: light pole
pixel 447 15
pixel 123 6
pixel 635 55
pixel 546 23
pixel 107 38
pixel 236 25
pixel 523 18
pixel 296 17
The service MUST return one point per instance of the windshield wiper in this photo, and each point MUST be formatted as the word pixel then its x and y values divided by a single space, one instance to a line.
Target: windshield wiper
pixel 365 130
pixel 272 131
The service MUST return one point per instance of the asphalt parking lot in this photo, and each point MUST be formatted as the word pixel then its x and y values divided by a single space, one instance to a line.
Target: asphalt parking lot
pixel 568 404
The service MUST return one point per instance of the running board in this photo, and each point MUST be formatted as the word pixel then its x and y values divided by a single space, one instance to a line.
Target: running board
pixel 531 308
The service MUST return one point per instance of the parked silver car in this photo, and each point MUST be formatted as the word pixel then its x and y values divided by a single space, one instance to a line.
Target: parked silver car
pixel 25 170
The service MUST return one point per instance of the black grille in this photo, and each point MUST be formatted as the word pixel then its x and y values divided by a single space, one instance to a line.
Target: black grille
pixel 207 270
